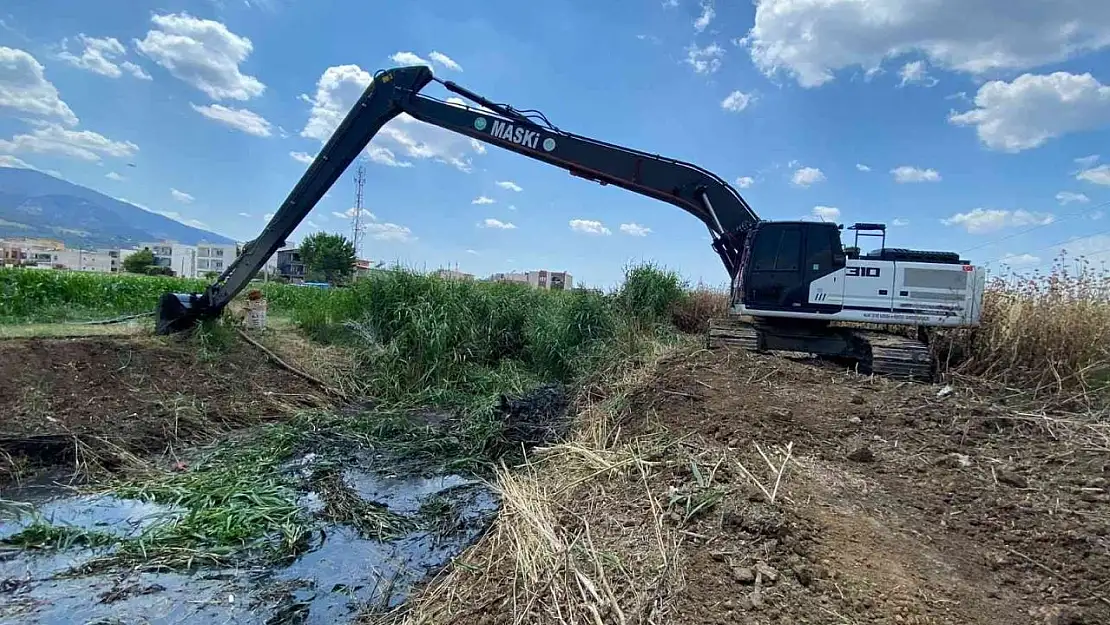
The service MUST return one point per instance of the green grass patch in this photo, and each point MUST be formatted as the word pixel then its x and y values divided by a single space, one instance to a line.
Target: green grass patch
pixel 43 535
pixel 235 500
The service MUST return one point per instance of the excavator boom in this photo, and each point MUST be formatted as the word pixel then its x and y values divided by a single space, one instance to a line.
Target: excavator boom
pixel 392 92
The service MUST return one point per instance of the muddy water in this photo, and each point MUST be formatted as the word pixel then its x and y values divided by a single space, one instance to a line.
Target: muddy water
pixel 342 573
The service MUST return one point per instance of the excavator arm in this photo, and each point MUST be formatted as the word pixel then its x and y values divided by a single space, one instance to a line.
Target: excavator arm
pixel 395 91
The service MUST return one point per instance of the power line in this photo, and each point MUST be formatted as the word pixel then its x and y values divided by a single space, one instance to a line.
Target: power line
pixel 1064 242
pixel 1038 226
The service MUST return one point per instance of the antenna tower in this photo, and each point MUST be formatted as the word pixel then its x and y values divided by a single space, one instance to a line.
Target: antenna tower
pixel 357 227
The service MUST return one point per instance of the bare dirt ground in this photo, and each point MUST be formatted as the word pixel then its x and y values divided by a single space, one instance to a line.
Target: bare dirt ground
pixel 896 506
pixel 92 399
pixel 903 506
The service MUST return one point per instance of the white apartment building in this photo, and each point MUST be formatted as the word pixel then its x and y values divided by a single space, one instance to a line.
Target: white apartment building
pixel 540 279
pixel 180 258
pixel 101 260
pixel 214 256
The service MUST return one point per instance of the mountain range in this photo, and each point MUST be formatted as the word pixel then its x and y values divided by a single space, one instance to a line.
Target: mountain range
pixel 35 204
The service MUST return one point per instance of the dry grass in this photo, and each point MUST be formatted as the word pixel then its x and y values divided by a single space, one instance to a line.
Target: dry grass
pixel 1047 335
pixel 571 543
pixel 692 313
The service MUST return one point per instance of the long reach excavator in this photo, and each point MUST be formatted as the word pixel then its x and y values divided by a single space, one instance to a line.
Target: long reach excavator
pixel 793 285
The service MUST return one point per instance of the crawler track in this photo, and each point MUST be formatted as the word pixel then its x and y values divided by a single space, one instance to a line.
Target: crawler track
pixel 879 353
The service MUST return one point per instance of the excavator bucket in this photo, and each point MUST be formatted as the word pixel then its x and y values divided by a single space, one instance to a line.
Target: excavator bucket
pixel 176 312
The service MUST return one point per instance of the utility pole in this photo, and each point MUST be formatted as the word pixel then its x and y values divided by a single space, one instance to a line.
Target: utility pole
pixel 357 227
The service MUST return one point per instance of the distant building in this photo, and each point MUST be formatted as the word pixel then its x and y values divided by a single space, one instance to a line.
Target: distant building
pixel 289 264
pixel 451 274
pixel 215 256
pixel 541 279
pixel 18 250
pixel 180 258
pixel 99 260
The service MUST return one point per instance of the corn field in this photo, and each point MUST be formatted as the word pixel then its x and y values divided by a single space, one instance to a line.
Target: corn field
pixel 41 295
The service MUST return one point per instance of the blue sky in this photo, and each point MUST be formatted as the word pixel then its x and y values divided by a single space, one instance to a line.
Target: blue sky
pixel 981 126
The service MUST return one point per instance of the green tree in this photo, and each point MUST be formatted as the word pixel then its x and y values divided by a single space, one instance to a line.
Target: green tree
pixel 332 255
pixel 139 261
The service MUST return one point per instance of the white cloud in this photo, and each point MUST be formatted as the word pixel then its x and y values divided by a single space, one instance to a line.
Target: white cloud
pixel 862 167
pixel 312 224
pixel 385 156
pixel 496 223
pixel 982 220
pixel 101 55
pixel 98 56
pixel 906 173
pixel 477 146
pixel 1026 113
pixel 350 213
pixel 474 252
pixel 202 53
pixel 243 120
pixel 339 88
pixel 6 160
pixel 444 60
pixel 509 185
pixel 181 196
pixel 196 223
pixel 82 144
pixel 900 222
pixel 706 16
pixel 1088 161
pixel 267 217
pixel 588 226
pixel 482 200
pixel 135 70
pixel 915 73
pixel 670 4
pixel 826 213
pixel 244 214
pixel 1016 260
pixel 810 40
pixel 1067 197
pixel 512 207
pixel 635 229
pixel 704 60
pixel 24 88
pixel 302 157
pixel 1096 175
pixel 408 58
pixel 390 232
pixel 736 101
pixel 745 181
pixel 114 176
pixel 807 176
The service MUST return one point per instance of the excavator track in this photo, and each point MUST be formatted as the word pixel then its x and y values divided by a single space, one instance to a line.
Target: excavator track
pixel 878 353
pixel 897 356
pixel 726 332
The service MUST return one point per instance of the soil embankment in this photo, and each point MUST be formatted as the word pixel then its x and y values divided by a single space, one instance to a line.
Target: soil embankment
pixel 898 503
pixel 88 401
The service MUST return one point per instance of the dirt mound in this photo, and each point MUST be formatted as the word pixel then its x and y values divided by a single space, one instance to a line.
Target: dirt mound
pixel 900 503
pixel 728 487
pixel 102 397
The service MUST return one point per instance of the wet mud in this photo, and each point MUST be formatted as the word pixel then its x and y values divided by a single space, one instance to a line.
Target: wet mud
pixel 343 571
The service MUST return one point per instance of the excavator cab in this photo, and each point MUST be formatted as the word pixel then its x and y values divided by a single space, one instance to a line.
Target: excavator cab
pixel 782 260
